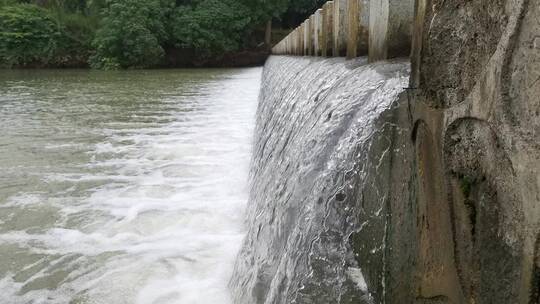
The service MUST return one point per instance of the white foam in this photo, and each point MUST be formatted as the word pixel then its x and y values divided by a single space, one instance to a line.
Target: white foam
pixel 162 222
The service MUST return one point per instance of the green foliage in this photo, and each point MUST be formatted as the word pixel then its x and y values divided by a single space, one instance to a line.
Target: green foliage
pixel 28 34
pixel 112 34
pixel 130 34
pixel 8 2
pixel 76 41
pixel 264 10
pixel 210 26
pixel 305 6
pixel 33 36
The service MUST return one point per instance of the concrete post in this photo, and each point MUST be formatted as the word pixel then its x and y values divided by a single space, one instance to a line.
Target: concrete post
pixel 318 33
pixel 390 28
pixel 293 42
pixel 306 38
pixel 353 24
pixel 340 28
pixel 303 34
pixel 289 46
pixel 299 41
pixel 324 32
pixel 357 28
pixel 327 29
pixel 304 41
pixel 312 35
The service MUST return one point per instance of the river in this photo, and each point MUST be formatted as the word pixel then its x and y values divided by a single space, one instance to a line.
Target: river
pixel 123 187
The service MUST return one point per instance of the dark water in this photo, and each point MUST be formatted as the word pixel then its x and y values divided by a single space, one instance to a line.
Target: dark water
pixel 314 135
pixel 123 187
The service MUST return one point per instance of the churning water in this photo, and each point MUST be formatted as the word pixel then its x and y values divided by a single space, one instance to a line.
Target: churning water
pixel 123 187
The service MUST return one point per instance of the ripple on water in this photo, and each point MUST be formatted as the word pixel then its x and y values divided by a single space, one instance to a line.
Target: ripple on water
pixel 122 191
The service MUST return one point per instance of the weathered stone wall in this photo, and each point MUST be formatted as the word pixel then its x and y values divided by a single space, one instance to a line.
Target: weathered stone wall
pixel 463 179
pixel 474 105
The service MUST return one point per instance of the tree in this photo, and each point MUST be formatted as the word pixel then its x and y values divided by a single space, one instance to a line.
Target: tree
pixel 28 34
pixel 263 11
pixel 131 33
pixel 135 33
pixel 266 10
pixel 305 6
pixel 210 26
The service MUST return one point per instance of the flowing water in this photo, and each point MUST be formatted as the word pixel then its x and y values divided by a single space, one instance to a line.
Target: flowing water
pixel 316 210
pixel 123 187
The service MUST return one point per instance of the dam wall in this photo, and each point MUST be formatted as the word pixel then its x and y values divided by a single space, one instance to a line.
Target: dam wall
pixel 410 180
pixel 322 128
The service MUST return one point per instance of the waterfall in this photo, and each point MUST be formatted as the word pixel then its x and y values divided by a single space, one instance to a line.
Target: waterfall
pixel 316 215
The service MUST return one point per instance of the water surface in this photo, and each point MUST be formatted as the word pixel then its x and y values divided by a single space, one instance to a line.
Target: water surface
pixel 123 187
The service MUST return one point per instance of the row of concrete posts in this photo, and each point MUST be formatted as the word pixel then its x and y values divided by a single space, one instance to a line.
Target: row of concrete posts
pixel 381 29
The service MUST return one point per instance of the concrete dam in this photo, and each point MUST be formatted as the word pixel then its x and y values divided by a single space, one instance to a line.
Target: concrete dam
pixel 397 157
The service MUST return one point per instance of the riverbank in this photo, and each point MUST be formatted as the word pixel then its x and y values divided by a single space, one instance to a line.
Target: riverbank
pixel 177 58
pixel 135 35
pixel 174 58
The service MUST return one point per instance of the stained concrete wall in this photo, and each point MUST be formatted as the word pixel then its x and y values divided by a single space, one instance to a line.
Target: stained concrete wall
pixel 463 189
pixel 474 105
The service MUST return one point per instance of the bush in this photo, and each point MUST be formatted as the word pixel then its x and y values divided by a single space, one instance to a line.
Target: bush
pixel 211 26
pixel 130 34
pixel 75 44
pixel 28 35
pixel 33 36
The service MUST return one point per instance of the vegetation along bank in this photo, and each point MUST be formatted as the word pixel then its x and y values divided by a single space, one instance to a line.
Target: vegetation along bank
pixel 112 34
